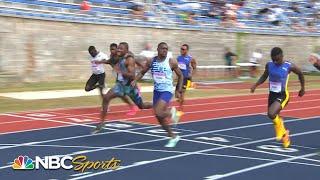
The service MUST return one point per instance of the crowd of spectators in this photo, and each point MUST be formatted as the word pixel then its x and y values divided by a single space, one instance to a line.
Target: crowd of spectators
pixel 302 15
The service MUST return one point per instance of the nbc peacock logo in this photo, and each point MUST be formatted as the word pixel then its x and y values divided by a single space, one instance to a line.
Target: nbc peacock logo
pixel 23 163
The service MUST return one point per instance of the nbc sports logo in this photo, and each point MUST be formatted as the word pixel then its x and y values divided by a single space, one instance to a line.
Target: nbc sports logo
pixel 48 162
pixel 23 163
pixel 79 163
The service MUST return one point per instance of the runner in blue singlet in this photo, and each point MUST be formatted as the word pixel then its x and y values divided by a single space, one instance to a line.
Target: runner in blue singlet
pixel 278 72
pixel 187 65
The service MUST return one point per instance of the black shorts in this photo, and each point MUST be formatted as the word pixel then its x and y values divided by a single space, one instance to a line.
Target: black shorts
pixel 94 79
pixel 282 98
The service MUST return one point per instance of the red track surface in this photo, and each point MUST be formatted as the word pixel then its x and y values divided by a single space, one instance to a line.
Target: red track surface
pixel 195 109
pixel 243 85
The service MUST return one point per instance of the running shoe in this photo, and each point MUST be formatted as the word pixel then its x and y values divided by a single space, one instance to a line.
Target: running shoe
pixel 286 142
pixel 172 142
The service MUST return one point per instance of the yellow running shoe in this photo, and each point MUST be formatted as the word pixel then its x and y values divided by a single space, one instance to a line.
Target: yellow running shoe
pixel 279 128
pixel 286 142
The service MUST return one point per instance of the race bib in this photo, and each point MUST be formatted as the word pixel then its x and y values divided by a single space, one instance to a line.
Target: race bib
pixel 275 87
pixel 159 77
pixel 182 66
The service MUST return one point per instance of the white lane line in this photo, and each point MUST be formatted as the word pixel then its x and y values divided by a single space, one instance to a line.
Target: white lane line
pixel 142 142
pixel 215 177
pixel 195 152
pixel 157 150
pixel 237 137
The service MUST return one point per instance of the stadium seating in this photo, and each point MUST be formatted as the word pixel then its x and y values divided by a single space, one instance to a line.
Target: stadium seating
pixel 173 11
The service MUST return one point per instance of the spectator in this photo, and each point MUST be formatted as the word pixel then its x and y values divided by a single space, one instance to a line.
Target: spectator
pixel 277 15
pixel 255 60
pixel 272 18
pixel 311 26
pixel 295 7
pixel 138 11
pixel 147 52
pixel 296 25
pixel 145 55
pixel 311 4
pixel 188 17
pixel 229 17
pixel 230 59
pixel 85 6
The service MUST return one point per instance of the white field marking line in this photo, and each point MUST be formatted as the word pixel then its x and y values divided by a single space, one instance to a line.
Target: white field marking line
pixel 117 130
pixel 238 137
pixel 260 166
pixel 186 130
pixel 95 150
pixel 306 147
pixel 86 125
pixel 233 108
pixel 163 151
pixel 72 137
pixel 67 115
pixel 123 104
pixel 253 106
pixel 18 121
pixel 156 150
pixel 143 117
pixel 80 174
pixel 221 118
pixel 188 154
pixel 87 114
pixel 143 142
pixel 53 145
pixel 196 104
pixel 212 154
pixel 193 121
pixel 222 146
pixel 35 129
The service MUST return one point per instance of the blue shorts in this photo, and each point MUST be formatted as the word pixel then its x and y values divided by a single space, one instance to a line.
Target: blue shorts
pixel 165 96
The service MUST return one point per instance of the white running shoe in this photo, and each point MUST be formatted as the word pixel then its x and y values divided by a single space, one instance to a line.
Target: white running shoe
pixel 172 142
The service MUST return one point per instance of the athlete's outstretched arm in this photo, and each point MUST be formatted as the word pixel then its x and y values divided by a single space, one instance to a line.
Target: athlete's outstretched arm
pixel 104 61
pixel 298 72
pixel 261 80
pixel 176 69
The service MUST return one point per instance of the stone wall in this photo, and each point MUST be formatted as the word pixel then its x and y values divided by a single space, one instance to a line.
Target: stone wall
pixel 36 50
